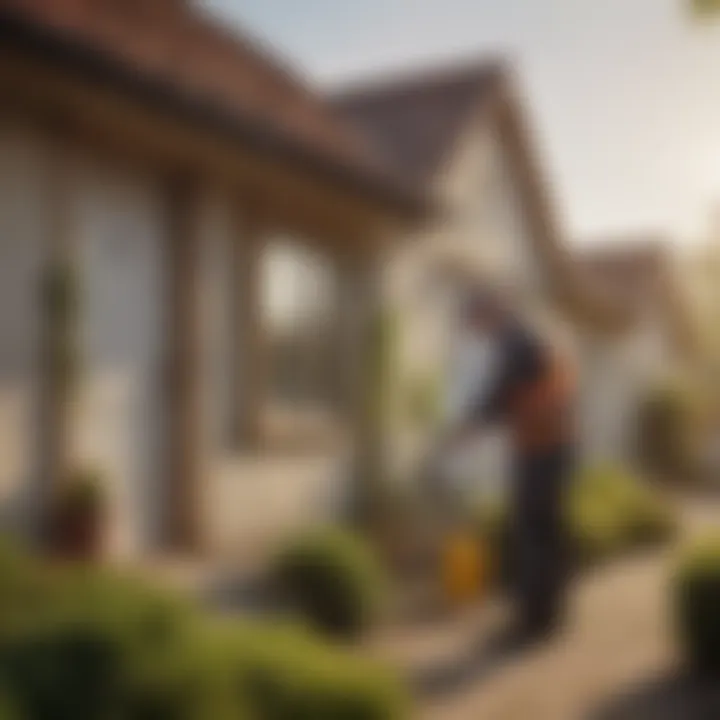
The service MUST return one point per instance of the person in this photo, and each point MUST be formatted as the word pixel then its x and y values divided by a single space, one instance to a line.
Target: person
pixel 532 391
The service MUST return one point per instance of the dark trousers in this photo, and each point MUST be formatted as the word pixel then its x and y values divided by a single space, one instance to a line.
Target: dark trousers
pixel 540 542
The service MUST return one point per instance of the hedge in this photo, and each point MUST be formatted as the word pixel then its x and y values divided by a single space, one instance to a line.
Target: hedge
pixel 81 643
pixel 696 589
pixel 331 578
pixel 611 512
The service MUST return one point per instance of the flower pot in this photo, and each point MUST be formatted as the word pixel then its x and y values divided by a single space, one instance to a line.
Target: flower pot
pixel 79 533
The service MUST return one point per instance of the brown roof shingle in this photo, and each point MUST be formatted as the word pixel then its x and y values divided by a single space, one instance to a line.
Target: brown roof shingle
pixel 636 272
pixel 181 47
pixel 415 120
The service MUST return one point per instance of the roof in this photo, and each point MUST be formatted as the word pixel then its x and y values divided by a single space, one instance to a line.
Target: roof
pixel 637 271
pixel 415 119
pixel 173 46
pixel 631 267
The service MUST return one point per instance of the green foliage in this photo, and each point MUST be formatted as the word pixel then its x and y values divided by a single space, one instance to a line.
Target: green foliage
pixel 333 579
pixel 61 306
pixel 287 675
pixel 97 645
pixel 705 8
pixel 669 424
pixel 61 296
pixel 382 352
pixel 84 491
pixel 610 512
pixel 697 603
pixel 423 400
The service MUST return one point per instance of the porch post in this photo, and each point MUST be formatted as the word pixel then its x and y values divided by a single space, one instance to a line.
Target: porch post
pixel 360 307
pixel 249 343
pixel 185 457
pixel 57 300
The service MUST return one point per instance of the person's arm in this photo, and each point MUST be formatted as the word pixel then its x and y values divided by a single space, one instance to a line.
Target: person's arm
pixel 521 361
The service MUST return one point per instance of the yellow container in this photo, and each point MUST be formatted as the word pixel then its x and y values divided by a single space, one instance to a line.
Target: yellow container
pixel 464 568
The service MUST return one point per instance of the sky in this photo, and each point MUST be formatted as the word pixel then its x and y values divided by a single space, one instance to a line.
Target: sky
pixel 624 95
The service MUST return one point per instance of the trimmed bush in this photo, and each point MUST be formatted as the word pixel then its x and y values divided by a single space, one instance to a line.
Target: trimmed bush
pixel 669 429
pixel 332 579
pixel 103 646
pixel 697 604
pixel 285 674
pixel 610 512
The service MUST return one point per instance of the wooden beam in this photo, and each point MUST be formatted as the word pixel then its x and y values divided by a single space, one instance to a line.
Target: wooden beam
pixel 250 364
pixel 133 133
pixel 185 458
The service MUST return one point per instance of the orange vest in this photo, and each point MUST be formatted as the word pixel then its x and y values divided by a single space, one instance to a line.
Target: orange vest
pixel 541 411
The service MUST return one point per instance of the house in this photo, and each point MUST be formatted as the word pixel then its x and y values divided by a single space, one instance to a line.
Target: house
pixel 660 342
pixel 462 132
pixel 153 155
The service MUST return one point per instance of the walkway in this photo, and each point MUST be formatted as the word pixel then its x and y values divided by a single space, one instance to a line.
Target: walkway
pixel 619 636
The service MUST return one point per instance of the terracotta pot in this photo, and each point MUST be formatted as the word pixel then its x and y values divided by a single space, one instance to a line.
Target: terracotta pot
pixel 79 533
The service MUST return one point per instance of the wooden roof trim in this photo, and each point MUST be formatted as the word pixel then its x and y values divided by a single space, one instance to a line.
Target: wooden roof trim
pixel 101 69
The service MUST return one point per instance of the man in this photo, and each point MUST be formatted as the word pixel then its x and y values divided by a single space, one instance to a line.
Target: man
pixel 531 390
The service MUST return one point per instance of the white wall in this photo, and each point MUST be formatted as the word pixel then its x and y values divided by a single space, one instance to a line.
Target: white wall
pixel 121 229
pixel 22 236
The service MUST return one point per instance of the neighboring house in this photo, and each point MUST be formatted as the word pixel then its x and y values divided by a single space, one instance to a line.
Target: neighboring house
pixel 659 342
pixel 462 133
pixel 157 155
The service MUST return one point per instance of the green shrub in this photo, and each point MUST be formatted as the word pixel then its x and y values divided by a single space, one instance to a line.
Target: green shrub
pixel 423 400
pixel 610 512
pixel 104 646
pixel 697 604
pixel 84 491
pixel 669 429
pixel 285 674
pixel 333 579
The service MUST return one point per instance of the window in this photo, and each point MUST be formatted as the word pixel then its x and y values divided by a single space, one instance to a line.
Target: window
pixel 298 314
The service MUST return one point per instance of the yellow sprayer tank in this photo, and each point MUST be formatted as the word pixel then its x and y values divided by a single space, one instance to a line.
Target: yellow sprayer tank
pixel 464 568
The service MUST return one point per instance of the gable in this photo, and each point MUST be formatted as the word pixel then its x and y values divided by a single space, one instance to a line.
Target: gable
pixel 414 122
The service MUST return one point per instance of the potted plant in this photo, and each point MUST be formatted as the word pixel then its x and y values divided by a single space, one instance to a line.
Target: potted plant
pixel 79 516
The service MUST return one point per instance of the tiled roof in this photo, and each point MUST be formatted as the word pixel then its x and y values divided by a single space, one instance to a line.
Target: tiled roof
pixel 637 272
pixel 633 269
pixel 177 45
pixel 415 120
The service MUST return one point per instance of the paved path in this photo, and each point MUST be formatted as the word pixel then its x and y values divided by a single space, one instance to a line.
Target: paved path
pixel 619 636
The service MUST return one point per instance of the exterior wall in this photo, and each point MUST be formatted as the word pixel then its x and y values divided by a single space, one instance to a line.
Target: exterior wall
pixel 121 231
pixel 615 375
pixel 121 225
pixel 22 238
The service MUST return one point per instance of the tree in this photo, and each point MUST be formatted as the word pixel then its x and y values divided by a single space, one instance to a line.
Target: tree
pixel 705 8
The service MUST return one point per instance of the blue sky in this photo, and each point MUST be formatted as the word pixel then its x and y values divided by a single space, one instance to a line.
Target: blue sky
pixel 624 94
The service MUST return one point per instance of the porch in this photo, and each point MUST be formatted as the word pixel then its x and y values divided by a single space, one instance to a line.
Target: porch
pixel 164 211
